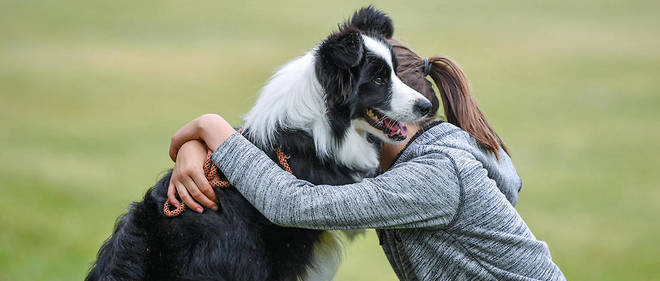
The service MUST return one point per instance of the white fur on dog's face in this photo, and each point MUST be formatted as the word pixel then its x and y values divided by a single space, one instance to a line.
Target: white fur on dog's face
pixel 402 101
pixel 403 97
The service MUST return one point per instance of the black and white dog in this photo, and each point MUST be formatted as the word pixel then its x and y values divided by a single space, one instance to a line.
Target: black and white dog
pixel 319 109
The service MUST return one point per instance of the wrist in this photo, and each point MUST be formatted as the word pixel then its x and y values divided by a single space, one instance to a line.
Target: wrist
pixel 193 149
pixel 215 130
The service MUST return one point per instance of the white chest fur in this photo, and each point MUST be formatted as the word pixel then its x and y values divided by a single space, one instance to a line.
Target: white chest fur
pixel 327 254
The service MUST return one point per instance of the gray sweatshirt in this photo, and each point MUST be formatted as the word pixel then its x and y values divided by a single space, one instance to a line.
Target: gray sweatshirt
pixel 443 211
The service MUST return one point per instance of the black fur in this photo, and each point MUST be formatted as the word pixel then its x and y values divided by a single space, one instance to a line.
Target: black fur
pixel 234 243
pixel 237 242
pixel 337 70
pixel 371 21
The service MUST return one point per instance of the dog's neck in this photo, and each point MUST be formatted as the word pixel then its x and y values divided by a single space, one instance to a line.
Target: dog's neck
pixel 293 99
pixel 355 151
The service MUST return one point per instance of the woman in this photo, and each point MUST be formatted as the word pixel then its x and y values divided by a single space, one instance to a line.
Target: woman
pixel 443 208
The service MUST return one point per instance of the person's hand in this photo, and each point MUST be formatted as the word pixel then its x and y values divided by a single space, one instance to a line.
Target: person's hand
pixel 188 178
pixel 210 128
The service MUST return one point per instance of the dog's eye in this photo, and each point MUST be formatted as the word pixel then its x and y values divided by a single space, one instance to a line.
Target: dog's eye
pixel 379 81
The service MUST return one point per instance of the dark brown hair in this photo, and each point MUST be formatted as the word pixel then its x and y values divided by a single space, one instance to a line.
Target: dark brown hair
pixel 460 107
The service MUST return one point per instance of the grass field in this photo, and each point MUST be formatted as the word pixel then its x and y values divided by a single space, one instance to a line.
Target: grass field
pixel 91 92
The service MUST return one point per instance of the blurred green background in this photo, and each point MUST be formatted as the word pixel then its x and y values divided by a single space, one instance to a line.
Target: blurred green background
pixel 91 92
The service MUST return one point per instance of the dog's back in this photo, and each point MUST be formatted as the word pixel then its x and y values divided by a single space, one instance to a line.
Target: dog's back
pixel 234 243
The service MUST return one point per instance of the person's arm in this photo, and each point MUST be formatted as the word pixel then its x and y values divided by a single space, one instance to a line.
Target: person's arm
pixel 422 192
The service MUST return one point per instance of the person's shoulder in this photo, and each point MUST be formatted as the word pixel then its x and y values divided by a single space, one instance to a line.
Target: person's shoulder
pixel 446 139
pixel 428 145
pixel 438 133
pixel 473 161
pixel 450 146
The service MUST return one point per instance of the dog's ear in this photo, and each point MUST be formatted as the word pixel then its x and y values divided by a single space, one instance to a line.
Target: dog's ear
pixel 371 20
pixel 337 58
pixel 343 49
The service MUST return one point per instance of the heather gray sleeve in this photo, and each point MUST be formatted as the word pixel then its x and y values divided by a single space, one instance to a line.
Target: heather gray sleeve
pixel 422 192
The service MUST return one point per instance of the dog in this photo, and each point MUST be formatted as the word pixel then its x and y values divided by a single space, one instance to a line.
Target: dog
pixel 329 110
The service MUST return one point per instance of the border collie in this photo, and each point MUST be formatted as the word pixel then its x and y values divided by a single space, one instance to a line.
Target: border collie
pixel 329 110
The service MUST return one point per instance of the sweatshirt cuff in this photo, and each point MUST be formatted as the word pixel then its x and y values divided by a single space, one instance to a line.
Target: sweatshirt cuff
pixel 226 154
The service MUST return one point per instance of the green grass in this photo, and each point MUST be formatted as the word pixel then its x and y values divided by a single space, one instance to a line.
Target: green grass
pixel 91 92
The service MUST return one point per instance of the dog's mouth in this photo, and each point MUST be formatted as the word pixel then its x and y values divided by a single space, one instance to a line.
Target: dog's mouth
pixel 391 128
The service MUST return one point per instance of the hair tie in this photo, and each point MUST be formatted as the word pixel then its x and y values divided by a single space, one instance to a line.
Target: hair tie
pixel 427 67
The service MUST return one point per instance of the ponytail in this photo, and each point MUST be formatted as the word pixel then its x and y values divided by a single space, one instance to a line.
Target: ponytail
pixel 460 107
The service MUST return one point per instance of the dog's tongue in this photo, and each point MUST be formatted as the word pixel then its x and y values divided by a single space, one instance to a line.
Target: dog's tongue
pixel 396 128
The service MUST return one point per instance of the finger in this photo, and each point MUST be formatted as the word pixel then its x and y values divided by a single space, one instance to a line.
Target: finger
pixel 185 197
pixel 204 186
pixel 171 195
pixel 198 195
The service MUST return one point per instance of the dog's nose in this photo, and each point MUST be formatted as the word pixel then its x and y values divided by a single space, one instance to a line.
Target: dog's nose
pixel 422 107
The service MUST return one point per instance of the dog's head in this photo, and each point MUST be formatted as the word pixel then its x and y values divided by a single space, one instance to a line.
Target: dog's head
pixel 356 67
